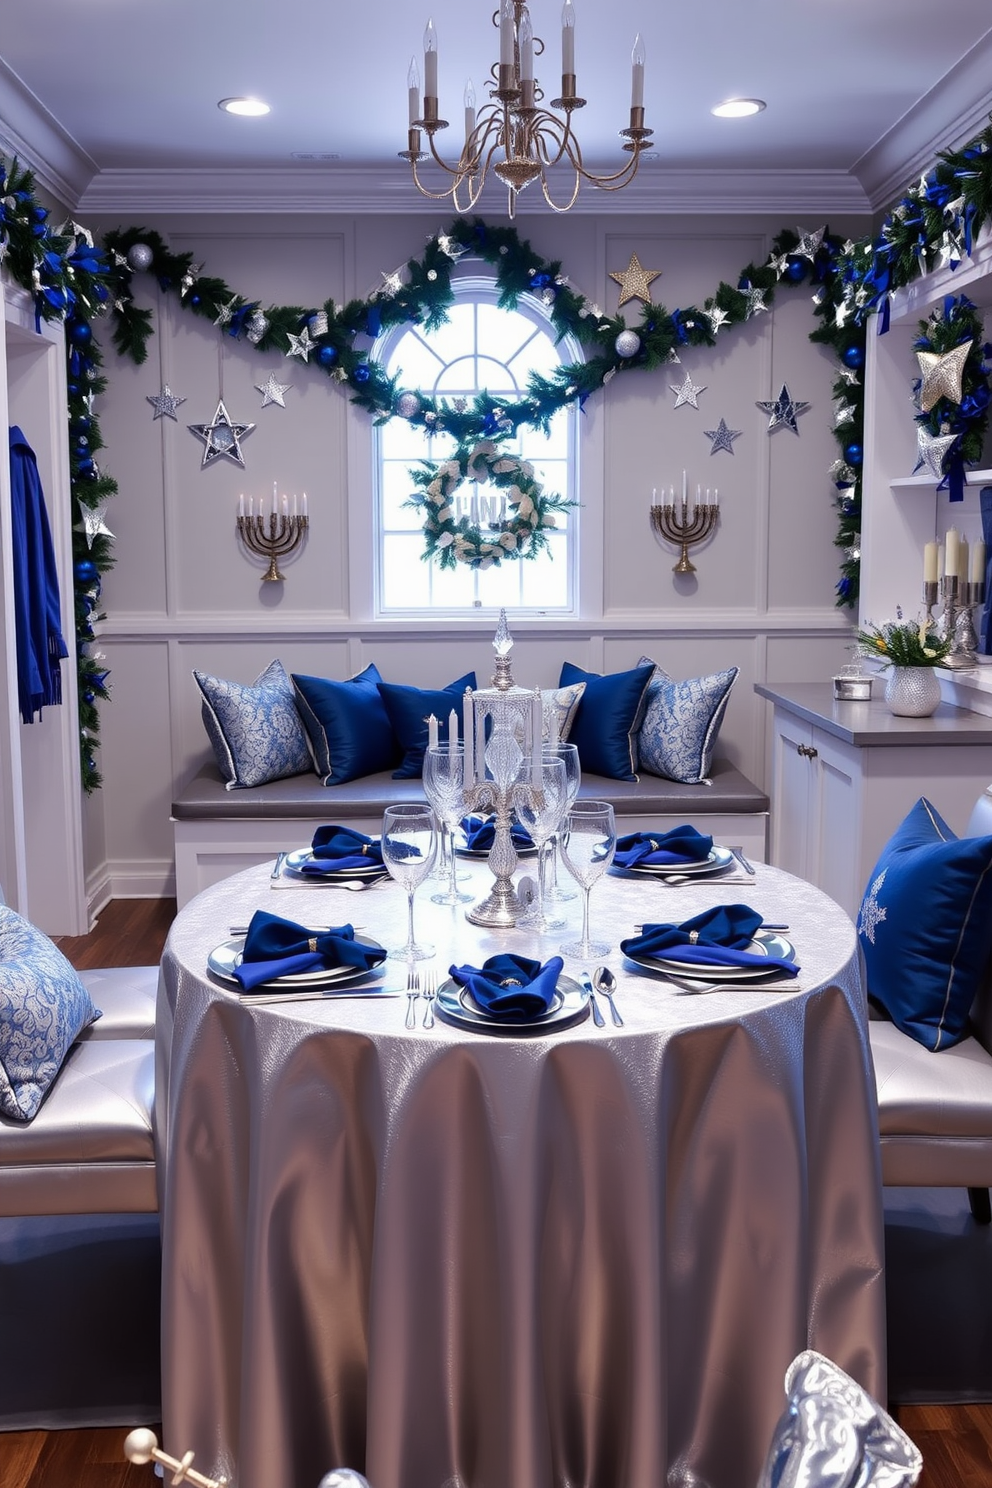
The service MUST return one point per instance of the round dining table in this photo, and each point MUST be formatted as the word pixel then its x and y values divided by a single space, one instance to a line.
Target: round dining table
pixel 578 1258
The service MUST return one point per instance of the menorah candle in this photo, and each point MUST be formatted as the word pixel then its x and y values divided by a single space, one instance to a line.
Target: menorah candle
pixel 251 505
pixel 977 571
pixel 432 732
pixel 469 738
pixel 930 563
pixel 304 503
pixel 685 489
pixel 241 505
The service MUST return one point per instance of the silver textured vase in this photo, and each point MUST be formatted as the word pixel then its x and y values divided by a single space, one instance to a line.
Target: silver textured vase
pixel 912 692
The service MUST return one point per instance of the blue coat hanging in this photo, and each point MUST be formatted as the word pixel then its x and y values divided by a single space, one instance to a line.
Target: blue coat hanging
pixel 37 610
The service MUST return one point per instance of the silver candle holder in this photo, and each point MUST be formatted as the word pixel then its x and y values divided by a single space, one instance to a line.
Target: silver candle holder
pixel 961 597
pixel 506 714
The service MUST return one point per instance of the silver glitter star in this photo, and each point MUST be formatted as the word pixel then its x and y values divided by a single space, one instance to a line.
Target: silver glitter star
pixel 931 449
pixel 849 247
pixel 872 913
pixel 942 373
pixel 722 437
pixel 189 279
pixel 687 393
pixel 673 356
pixel 272 391
pixel 784 411
pixel 93 523
pixel 716 318
pixel 841 312
pixel 166 403
pixel 221 438
pixel 755 302
pixel 301 345
pixel 849 375
pixel 226 312
pixel 779 264
pixel 809 243
pixel 843 413
pixel 391 283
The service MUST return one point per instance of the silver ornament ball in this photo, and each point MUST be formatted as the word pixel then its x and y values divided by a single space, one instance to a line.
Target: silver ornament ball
pixel 139 257
pixel 408 405
pixel 343 1477
pixel 627 344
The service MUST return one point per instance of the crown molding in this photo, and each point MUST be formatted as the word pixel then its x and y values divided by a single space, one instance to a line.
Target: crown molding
pixel 380 190
pixel 29 132
pixel 910 148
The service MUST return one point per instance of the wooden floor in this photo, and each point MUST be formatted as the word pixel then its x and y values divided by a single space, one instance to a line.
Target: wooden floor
pixel 956 1440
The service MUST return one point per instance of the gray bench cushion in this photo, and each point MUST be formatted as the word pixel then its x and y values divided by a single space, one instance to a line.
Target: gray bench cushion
pixel 125 996
pixel 303 798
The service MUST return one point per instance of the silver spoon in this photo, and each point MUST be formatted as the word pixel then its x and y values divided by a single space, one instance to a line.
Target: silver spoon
pixel 604 981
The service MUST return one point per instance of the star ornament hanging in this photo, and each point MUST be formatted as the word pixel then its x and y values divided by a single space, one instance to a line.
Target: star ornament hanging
pixel 784 411
pixel 722 437
pixel 301 345
pixel 634 281
pixel 221 438
pixel 165 403
pixel 932 450
pixel 687 393
pixel 93 524
pixel 942 373
pixel 273 391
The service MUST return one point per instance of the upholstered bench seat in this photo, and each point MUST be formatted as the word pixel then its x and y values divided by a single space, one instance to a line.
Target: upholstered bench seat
pixel 89 1149
pixel 125 996
pixel 219 831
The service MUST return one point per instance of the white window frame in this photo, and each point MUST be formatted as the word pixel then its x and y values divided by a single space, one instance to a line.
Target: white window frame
pixel 484 289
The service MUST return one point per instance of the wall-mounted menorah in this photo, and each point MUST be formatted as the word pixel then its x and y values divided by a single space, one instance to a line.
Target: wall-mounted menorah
pixel 273 534
pixel 684 525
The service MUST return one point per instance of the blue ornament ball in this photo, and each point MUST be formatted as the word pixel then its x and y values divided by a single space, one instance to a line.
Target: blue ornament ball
pixel 853 453
pixel 81 332
pixel 327 356
pixel 89 696
pixel 795 270
pixel 361 373
pixel 853 356
pixel 85 571
pixel 194 299
pixel 81 425
pixel 72 389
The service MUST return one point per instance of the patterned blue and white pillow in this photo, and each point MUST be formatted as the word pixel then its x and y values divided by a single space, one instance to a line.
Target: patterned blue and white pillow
pixel 681 723
pixel 256 731
pixel 43 1009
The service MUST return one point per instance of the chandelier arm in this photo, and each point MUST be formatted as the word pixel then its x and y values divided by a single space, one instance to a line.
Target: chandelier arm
pixel 425 191
pixel 617 180
pixel 572 199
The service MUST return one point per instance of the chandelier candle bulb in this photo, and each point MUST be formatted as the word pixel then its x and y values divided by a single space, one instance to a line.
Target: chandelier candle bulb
pixel 413 92
pixel 567 41
pixel 430 61
pixel 469 111
pixel 637 74
pixel 525 41
pixel 507 34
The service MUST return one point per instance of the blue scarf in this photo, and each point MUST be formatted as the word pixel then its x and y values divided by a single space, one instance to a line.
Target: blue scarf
pixel 37 611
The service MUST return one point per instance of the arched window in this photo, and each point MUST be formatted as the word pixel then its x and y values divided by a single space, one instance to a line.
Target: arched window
pixel 479 348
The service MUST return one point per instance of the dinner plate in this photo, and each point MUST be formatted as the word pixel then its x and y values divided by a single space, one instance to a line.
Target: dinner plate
pixel 294 862
pixel 765 943
pixel 719 859
pixel 455 1004
pixel 224 960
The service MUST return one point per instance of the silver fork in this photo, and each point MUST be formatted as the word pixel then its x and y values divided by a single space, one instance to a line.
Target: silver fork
pixel 412 993
pixel 429 993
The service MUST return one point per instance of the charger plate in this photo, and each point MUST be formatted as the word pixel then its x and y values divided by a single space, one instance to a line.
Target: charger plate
pixel 718 861
pixel 765 943
pixel 462 851
pixel 224 960
pixel 455 1004
pixel 294 863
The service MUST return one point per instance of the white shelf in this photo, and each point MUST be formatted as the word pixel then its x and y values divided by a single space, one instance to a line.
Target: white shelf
pixel 912 483
pixel 979 478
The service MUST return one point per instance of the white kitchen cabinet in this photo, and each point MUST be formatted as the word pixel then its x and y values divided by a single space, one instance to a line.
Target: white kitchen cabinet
pixel 845 774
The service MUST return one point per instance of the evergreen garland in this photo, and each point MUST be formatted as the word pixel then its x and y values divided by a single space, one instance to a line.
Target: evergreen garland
pixel 934 225
pixel 955 322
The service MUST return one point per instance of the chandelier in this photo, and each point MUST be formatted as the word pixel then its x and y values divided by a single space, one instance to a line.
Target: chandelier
pixel 512 135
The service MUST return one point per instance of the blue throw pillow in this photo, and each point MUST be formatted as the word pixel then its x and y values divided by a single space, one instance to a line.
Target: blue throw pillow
pixel 409 709
pixel 255 730
pixel 681 723
pixel 608 718
pixel 925 927
pixel 347 724
pixel 43 1009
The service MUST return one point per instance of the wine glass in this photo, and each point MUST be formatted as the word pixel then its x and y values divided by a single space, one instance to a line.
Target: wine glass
pixel 409 845
pixel 540 806
pixel 588 842
pixel 554 892
pixel 444 787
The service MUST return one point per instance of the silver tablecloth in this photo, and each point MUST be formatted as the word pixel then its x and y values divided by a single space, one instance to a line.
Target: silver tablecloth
pixel 450 1259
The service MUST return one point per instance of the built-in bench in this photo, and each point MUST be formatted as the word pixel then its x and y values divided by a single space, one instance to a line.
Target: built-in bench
pixel 219 831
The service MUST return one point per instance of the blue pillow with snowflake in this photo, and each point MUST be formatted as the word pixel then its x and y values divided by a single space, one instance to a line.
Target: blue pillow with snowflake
pixel 255 729
pixel 925 927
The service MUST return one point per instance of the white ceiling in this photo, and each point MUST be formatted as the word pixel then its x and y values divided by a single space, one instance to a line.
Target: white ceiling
pixel 115 101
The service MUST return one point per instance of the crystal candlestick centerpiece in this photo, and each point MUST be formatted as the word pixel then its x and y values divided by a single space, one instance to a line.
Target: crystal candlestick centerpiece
pixel 502 740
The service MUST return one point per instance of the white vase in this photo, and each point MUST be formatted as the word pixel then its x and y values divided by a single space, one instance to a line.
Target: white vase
pixel 912 691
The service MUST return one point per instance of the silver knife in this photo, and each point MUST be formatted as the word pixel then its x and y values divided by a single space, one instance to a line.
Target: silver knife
pixel 742 860
pixel 597 1016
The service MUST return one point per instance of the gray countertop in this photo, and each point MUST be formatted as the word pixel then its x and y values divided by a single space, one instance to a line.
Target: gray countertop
pixel 870 723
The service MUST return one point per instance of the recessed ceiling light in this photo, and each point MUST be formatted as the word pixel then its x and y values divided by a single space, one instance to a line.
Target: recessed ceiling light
pixel 250 108
pixel 738 108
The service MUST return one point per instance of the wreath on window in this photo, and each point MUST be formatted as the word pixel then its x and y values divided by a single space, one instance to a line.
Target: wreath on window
pixel 520 530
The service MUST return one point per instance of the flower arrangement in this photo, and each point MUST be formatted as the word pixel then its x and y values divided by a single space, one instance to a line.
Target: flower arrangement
pixel 903 643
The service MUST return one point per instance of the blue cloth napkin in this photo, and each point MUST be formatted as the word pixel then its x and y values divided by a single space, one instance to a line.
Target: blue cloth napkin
pixel 531 988
pixel 721 937
pixel 341 850
pixel 657 849
pixel 275 947
pixel 480 833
